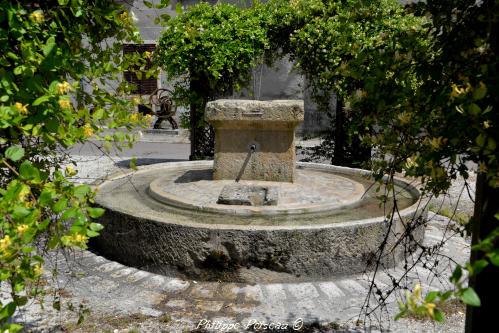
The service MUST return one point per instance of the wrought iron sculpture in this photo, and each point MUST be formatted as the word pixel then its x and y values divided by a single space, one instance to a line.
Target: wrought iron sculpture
pixel 167 108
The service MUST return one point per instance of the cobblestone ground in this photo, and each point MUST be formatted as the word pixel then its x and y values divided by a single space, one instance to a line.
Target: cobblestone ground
pixel 116 298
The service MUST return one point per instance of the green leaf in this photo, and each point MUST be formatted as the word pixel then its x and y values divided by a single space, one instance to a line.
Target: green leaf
pixel 53 86
pixel 474 109
pixel 95 212
pixel 494 257
pixel 480 140
pixel 41 100
pixel 81 190
pixel 54 241
pixel 438 315
pixel 469 296
pixel 491 144
pixel 148 4
pixel 98 114
pixel 70 213
pixel 63 2
pixel 91 233
pixel 480 91
pixel 60 205
pixel 12 328
pixel 178 8
pixel 133 163
pixel 49 45
pixel 28 249
pixel 445 296
pixel 44 224
pixel 96 226
pixel 431 296
pixel 20 212
pixel 479 265
pixel 20 301
pixel 14 153
pixel 46 197
pixel 456 275
pixel 29 172
pixel 7 311
pixel 162 4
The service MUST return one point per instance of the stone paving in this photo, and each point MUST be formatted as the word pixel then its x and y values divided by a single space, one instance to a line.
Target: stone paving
pixel 111 289
pixel 126 299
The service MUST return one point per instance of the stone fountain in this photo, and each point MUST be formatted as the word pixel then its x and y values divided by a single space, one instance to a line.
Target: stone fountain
pixel 254 211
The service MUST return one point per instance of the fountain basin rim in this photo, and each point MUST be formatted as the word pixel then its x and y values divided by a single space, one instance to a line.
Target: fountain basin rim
pixel 413 210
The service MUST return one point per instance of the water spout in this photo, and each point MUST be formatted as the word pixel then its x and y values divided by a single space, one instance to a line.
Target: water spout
pixel 252 149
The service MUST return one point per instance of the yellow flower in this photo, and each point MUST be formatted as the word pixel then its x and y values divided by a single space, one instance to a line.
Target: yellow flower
pixel 70 171
pixel 404 117
pixel 5 242
pixel 430 307
pixel 124 16
pixel 64 103
pixel 134 117
pixel 417 291
pixel 37 16
pixel 63 88
pixel 456 91
pixel 79 238
pixel 23 193
pixel 88 131
pixel 38 270
pixel 436 143
pixel 23 109
pixel 147 54
pixel 482 167
pixel 486 124
pixel 136 100
pixel 148 118
pixel 437 172
pixel 21 229
pixel 411 162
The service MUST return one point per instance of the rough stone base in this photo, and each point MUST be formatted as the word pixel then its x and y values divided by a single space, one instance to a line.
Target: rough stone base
pixel 310 251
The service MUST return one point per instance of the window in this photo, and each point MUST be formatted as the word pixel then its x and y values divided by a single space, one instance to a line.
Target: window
pixel 143 86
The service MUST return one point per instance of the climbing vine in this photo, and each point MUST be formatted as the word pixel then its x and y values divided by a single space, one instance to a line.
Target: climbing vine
pixel 208 52
pixel 416 85
pixel 57 60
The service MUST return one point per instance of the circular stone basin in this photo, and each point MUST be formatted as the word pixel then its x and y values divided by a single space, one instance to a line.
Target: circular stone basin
pixel 165 218
pixel 312 191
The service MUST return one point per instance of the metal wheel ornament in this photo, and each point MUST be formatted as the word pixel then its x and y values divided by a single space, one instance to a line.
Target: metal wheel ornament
pixel 162 97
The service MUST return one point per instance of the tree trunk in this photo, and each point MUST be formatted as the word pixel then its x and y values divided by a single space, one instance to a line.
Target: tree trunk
pixel 339 135
pixel 193 119
pixel 201 135
pixel 193 130
pixel 486 283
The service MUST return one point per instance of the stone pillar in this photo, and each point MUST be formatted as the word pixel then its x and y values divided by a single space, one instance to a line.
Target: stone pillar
pixel 254 140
